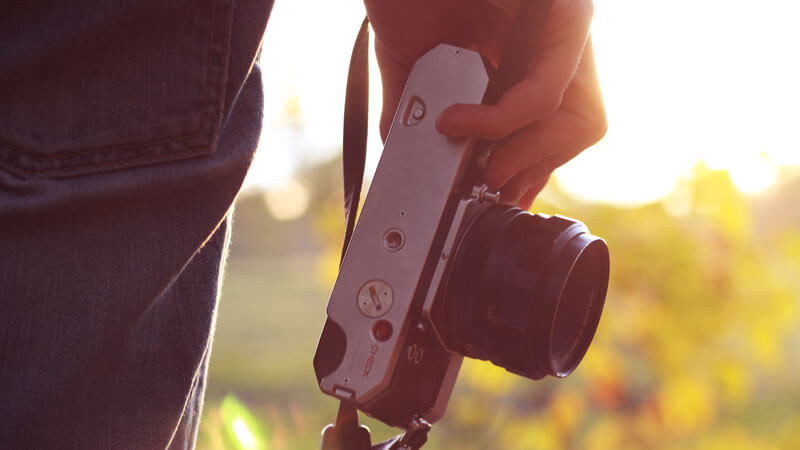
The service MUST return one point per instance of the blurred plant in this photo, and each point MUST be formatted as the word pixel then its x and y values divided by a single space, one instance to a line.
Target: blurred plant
pixel 696 325
pixel 697 347
pixel 232 426
pixel 695 330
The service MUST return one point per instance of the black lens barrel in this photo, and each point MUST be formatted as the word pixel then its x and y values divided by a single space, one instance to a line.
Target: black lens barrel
pixel 525 291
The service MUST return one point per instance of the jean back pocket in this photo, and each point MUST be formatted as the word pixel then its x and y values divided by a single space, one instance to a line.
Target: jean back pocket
pixel 94 86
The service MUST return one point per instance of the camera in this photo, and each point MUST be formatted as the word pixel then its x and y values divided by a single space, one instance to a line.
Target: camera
pixel 438 269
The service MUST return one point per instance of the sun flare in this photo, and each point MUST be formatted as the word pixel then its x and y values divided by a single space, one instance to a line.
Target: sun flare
pixel 684 82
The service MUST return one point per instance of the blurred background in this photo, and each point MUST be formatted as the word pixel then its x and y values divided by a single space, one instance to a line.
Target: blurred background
pixel 696 189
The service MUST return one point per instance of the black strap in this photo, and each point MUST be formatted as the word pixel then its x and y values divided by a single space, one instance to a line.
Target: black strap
pixel 354 137
pixel 514 64
pixel 520 48
pixel 346 434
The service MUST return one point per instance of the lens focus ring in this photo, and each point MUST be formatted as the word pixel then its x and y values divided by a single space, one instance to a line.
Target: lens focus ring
pixel 525 291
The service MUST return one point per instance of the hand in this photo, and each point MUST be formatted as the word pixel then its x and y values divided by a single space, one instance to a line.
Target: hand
pixel 539 124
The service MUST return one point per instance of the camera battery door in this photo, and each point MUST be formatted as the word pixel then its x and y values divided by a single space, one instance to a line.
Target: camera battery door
pixel 376 350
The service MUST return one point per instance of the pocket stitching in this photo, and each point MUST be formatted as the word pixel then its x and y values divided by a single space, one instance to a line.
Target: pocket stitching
pixel 199 142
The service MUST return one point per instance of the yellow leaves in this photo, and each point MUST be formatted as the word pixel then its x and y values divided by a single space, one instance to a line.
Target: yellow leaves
pixel 327 266
pixel 715 197
pixel 690 349
pixel 529 436
pixel 567 409
pixel 605 434
pixel 699 315
pixel 734 381
pixel 605 373
pixel 487 378
pixel 732 438
pixel 607 394
pixel 470 411
pixel 788 243
pixel 789 437
pixel 766 346
pixel 601 364
pixel 686 404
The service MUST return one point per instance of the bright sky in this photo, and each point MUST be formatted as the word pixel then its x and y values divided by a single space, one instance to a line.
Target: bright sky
pixel 684 81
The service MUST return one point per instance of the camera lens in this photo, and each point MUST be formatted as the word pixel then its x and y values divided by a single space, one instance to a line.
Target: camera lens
pixel 524 291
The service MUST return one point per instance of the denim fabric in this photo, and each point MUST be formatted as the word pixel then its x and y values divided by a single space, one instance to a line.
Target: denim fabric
pixel 126 129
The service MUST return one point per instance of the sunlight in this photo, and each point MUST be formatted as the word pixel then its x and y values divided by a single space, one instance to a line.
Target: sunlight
pixel 288 200
pixel 753 177
pixel 684 82
pixel 243 433
pixel 240 426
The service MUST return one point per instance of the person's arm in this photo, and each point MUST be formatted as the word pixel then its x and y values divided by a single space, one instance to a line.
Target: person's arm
pixel 542 122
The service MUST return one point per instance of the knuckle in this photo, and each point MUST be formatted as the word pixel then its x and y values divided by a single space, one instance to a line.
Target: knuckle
pixel 493 133
pixel 497 126
pixel 594 123
pixel 596 128
pixel 499 130
pixel 545 98
pixel 550 103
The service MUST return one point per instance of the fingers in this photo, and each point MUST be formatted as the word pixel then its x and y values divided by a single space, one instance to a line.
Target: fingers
pixel 532 179
pixel 527 199
pixel 540 149
pixel 518 161
pixel 540 94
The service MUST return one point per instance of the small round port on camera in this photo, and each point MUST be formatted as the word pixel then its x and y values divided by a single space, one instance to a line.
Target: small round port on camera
pixel 393 239
pixel 382 330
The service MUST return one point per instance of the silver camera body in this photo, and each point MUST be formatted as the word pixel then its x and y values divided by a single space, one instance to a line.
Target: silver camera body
pixel 381 351
pixel 436 269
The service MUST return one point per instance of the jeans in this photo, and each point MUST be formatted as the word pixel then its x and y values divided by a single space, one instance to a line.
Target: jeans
pixel 126 129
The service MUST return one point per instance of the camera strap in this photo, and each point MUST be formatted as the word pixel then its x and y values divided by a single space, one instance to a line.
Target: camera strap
pixel 354 135
pixel 346 434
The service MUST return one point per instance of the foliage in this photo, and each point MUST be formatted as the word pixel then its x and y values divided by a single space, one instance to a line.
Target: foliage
pixel 697 346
